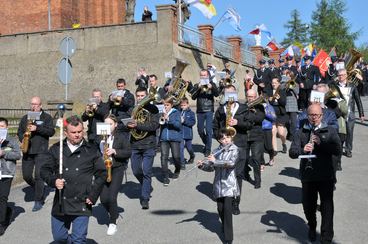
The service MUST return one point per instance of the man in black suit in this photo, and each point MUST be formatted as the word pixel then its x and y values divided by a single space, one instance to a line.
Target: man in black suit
pixel 310 78
pixel 261 79
pixel 331 74
pixel 290 65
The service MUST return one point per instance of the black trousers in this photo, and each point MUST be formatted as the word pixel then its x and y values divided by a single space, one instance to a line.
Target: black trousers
pixel 349 135
pixel 239 168
pixel 224 208
pixel 310 191
pixel 109 193
pixel 165 150
pixel 254 154
pixel 30 163
pixel 5 185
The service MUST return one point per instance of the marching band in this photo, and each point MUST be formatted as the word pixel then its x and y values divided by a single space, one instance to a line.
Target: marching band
pixel 93 168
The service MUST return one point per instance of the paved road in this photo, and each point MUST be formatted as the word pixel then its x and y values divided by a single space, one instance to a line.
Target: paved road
pixel 183 212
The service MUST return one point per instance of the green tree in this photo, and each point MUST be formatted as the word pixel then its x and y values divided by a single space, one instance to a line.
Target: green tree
pixel 298 31
pixel 329 27
pixel 363 49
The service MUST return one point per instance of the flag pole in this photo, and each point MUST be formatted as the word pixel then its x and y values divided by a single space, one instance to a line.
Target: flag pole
pixel 218 22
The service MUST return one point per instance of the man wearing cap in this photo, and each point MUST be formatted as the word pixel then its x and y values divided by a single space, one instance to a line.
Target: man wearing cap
pixel 310 78
pixel 273 72
pixel 261 78
pixel 331 74
pixel 282 65
pixel 290 65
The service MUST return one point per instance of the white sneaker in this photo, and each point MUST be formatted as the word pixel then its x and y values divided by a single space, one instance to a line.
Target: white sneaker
pixel 112 229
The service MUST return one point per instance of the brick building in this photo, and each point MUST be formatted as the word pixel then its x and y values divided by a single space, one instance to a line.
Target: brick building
pixel 20 16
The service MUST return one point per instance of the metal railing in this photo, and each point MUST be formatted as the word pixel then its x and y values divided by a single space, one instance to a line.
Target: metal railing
pixel 191 37
pixel 222 48
pixel 248 57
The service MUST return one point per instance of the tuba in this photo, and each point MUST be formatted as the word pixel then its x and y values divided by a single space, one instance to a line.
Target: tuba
pixel 179 86
pixel 142 115
pixel 352 72
pixel 332 93
pixel 229 116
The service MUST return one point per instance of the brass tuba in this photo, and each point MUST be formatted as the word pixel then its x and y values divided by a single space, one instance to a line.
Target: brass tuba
pixel 332 93
pixel 352 72
pixel 142 115
pixel 179 86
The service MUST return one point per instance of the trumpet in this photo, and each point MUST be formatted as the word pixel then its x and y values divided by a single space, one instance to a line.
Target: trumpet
pixel 117 97
pixel 117 100
pixel 276 95
pixel 91 106
pixel 162 120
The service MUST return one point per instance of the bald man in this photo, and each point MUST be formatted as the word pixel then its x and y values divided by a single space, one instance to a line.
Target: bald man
pixel 317 173
pixel 41 130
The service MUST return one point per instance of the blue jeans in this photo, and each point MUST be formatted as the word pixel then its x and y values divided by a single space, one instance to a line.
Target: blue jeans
pixel 204 127
pixel 60 226
pixel 142 161
pixel 186 143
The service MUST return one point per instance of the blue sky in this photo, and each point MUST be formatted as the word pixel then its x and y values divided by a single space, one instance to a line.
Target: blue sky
pixel 274 14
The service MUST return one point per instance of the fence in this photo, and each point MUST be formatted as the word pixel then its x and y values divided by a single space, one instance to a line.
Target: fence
pixel 191 37
pixel 223 48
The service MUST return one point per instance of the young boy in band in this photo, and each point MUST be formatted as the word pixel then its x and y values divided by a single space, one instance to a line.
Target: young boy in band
pixel 188 121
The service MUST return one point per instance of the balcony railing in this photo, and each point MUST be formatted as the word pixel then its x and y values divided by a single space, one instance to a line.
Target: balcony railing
pixel 191 37
pixel 222 48
pixel 248 57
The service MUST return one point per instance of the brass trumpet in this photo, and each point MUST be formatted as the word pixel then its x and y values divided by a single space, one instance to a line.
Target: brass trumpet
pixel 117 97
pixel 91 107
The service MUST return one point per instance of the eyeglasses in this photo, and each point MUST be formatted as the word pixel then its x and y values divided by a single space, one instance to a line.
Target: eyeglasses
pixel 314 115
pixel 341 74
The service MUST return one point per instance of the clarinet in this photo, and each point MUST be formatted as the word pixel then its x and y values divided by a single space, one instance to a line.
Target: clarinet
pixel 308 165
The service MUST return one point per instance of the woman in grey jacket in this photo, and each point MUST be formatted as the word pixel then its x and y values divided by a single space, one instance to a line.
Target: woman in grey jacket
pixel 225 187
pixel 9 154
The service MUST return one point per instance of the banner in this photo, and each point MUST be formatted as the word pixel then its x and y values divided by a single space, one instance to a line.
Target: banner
pixel 322 61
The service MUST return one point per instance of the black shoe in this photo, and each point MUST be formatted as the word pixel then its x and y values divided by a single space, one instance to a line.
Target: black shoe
pixel 207 153
pixel 175 176
pixel 247 177
pixel 191 160
pixel 8 216
pixel 182 167
pixel 236 210
pixel 338 168
pixel 257 185
pixel 37 206
pixel 166 181
pixel 348 154
pixel 284 148
pixel 312 235
pixel 145 204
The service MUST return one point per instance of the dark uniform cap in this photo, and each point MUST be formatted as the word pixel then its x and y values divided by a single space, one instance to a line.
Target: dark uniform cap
pixel 288 58
pixel 271 61
pixel 307 57
pixel 281 60
pixel 262 61
pixel 297 60
pixel 333 59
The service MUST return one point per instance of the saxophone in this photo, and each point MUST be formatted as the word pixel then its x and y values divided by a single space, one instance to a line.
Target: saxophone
pixel 107 160
pixel 26 137
pixel 229 116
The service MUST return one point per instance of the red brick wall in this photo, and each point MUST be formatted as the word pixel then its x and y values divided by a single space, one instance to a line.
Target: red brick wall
pixel 31 15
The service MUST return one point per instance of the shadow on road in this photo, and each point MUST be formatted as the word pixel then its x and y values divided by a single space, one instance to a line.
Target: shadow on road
pixel 291 172
pixel 210 221
pixel 29 194
pixel 131 189
pixel 205 188
pixel 291 194
pixel 168 212
pixel 101 215
pixel 294 226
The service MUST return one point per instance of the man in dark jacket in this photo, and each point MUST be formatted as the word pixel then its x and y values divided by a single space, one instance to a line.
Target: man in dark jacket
pixel 205 92
pixel 261 78
pixel 351 95
pixel 79 186
pixel 241 125
pixel 255 139
pixel 95 112
pixel 144 149
pixel 122 109
pixel 41 130
pixel 310 76
pixel 317 173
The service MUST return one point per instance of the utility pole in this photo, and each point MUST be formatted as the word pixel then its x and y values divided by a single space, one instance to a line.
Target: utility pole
pixel 49 13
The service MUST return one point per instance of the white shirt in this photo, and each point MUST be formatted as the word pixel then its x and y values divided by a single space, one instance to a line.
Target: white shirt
pixel 73 147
